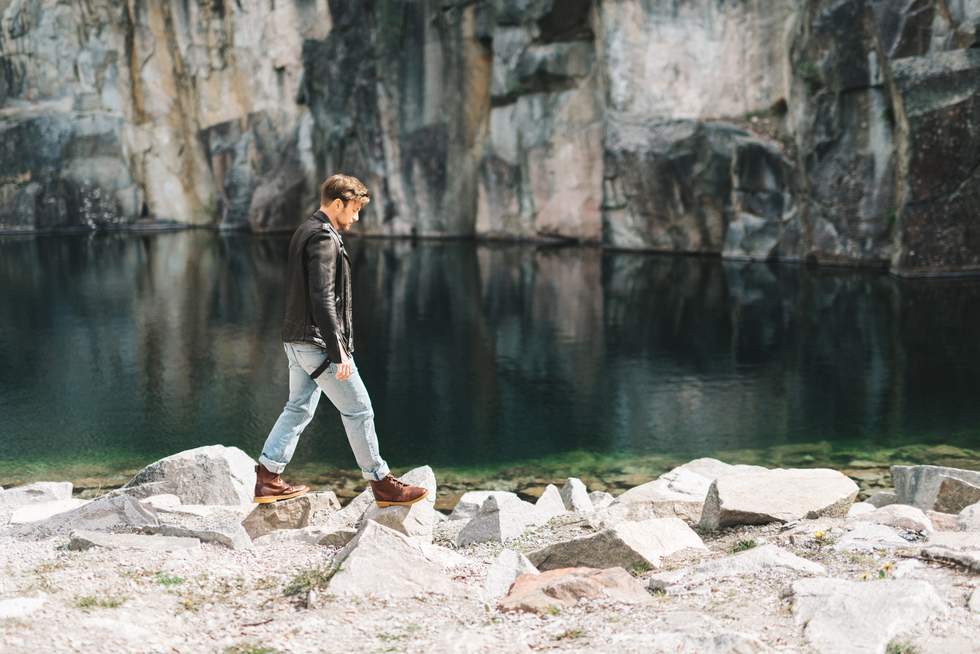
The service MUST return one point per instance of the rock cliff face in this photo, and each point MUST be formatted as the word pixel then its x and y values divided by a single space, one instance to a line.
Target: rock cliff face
pixel 625 122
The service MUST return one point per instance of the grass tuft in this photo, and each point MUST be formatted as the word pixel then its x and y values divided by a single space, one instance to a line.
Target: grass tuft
pixel 744 545
pixel 92 602
pixel 250 647
pixel 312 579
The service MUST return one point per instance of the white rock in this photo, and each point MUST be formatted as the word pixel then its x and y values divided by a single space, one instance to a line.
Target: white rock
pixel 870 537
pixel 502 517
pixel 83 540
pixel 229 533
pixel 600 499
pixel 36 493
pixel 750 562
pixel 904 568
pixel 969 518
pixel 860 508
pixel 44 510
pixel 575 496
pixel 678 493
pixel 974 602
pixel 120 512
pixel 18 607
pixel 550 504
pixel 162 500
pixel 469 504
pixel 897 515
pixel 416 520
pixel 273 516
pixel 961 540
pixel 509 566
pixel 777 496
pixel 624 545
pixel 383 562
pixel 844 617
pixel 214 474
pixel 319 535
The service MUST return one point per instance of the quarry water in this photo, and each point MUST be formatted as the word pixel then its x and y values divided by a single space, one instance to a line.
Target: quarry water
pixel 132 346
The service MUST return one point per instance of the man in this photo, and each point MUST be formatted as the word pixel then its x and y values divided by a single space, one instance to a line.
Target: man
pixel 318 339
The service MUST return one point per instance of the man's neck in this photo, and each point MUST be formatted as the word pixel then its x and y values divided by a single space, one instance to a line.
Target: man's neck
pixel 325 210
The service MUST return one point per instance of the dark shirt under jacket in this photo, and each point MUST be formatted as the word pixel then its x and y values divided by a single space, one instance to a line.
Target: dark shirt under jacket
pixel 318 290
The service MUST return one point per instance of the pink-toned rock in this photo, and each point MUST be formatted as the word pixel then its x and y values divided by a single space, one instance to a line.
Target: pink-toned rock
pixel 942 521
pixel 537 593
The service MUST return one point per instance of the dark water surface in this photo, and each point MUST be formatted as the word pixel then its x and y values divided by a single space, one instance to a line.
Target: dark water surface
pixel 142 345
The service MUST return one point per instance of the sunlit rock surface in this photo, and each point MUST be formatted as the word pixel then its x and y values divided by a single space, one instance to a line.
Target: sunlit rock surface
pixel 627 122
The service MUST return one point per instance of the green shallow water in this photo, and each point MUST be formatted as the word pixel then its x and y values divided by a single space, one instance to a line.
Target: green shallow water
pixel 483 360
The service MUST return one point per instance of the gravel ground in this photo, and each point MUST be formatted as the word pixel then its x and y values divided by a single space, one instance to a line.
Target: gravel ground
pixel 245 602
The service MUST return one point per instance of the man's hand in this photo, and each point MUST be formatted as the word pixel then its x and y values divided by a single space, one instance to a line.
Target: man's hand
pixel 344 369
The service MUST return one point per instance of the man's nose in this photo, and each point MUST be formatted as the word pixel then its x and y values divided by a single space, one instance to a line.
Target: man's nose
pixel 356 215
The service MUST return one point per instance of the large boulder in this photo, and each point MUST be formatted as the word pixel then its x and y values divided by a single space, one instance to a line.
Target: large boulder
pixel 36 493
pixel 383 562
pixel 678 493
pixel 416 520
pixel 845 617
pixel 540 593
pixel 968 519
pixel 213 474
pixel 749 562
pixel 625 545
pixel 919 485
pixel 777 496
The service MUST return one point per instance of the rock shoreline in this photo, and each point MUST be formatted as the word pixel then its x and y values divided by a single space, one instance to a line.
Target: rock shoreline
pixel 707 558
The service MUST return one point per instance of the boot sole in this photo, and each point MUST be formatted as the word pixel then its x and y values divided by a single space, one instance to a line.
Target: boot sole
pixel 387 504
pixel 269 499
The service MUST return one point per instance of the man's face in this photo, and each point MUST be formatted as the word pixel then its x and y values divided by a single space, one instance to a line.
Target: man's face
pixel 346 216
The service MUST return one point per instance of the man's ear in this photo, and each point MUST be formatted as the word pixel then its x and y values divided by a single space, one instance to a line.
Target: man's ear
pixel 338 205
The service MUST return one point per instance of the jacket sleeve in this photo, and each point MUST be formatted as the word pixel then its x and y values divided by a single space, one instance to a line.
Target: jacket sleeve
pixel 322 253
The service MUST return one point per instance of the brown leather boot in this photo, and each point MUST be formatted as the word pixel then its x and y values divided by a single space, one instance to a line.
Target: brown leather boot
pixel 269 487
pixel 391 492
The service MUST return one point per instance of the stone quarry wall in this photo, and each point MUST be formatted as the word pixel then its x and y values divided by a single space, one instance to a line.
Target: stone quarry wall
pixel 635 123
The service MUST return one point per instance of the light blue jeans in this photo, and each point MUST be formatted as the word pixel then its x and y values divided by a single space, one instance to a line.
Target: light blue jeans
pixel 349 396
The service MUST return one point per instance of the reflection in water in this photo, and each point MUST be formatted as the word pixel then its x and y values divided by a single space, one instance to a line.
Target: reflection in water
pixel 147 344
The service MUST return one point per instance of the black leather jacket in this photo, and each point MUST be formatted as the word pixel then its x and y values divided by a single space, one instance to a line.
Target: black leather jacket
pixel 318 293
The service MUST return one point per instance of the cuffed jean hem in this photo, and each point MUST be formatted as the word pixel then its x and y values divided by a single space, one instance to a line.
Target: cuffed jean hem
pixel 378 475
pixel 272 466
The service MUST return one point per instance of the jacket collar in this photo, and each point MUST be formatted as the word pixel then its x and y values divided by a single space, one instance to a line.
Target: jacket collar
pixel 322 217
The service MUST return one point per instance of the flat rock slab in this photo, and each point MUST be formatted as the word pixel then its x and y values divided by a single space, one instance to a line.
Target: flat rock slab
pixel 537 593
pixel 844 617
pixel 416 520
pixel 919 485
pixel 504 571
pixel 83 540
pixel 36 493
pixel 901 516
pixel 969 560
pixel 385 563
pixel 868 538
pixel 229 533
pixel 749 562
pixel 105 513
pixel 319 535
pixel 214 474
pixel 754 498
pixel 18 607
pixel 624 545
pixel 960 540
pixel 44 510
